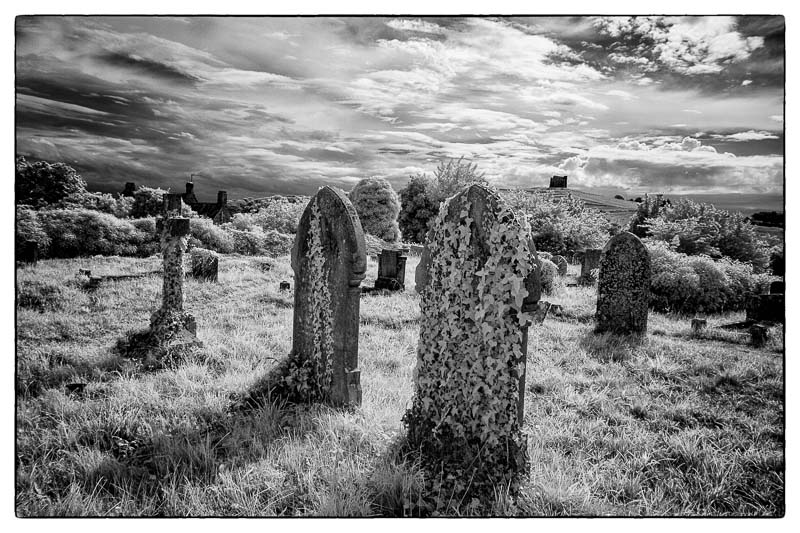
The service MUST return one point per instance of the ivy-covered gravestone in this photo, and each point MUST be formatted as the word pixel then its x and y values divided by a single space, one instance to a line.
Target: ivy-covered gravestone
pixel 479 282
pixel 623 286
pixel 329 261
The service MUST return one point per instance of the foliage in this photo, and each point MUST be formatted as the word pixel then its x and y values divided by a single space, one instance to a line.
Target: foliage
pixel 147 202
pixel 280 215
pixel 377 206
pixel 768 218
pixel 42 183
pixel 82 232
pixel 698 284
pixel 119 206
pixel 464 413
pixel 776 261
pixel 702 229
pixel 647 209
pixel 205 234
pixel 29 228
pixel 559 224
pixel 452 176
pixel 418 207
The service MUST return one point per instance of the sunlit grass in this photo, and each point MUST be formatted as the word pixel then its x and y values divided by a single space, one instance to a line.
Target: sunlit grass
pixel 674 423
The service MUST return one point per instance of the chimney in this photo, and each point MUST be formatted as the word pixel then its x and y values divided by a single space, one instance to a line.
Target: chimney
pixel 130 188
pixel 222 197
pixel 188 197
pixel 558 182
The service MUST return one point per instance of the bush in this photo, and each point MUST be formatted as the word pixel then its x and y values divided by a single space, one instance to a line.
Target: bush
pixel 270 243
pixel 559 224
pixel 701 229
pixel 280 215
pixel 698 284
pixel 454 175
pixel 120 206
pixel 377 206
pixel 418 206
pixel 81 232
pixel 41 183
pixel 29 228
pixel 147 202
pixel 205 234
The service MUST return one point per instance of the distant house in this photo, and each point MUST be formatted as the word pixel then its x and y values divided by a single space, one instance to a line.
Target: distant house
pixel 558 182
pixel 219 212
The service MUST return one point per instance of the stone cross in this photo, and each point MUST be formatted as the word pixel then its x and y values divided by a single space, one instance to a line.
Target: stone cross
pixel 561 263
pixel 392 269
pixel 623 286
pixel 461 315
pixel 329 261
pixel 174 231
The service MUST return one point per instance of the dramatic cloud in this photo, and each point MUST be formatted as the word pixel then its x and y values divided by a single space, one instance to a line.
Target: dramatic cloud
pixel 266 105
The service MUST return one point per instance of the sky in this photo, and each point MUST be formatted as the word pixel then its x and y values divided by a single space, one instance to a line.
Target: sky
pixel 272 105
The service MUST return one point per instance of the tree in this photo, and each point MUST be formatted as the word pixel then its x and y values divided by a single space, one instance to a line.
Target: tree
pixel 454 175
pixel 41 183
pixel 119 206
pixel 418 207
pixel 377 206
pixel 147 202
pixel 646 209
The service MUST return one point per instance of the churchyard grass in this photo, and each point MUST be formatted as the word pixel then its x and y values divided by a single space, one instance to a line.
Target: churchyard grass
pixel 674 424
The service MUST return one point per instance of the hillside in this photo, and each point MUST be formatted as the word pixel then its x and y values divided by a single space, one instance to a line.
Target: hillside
pixel 618 211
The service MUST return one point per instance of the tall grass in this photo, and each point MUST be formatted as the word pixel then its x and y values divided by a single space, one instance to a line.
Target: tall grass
pixel 672 424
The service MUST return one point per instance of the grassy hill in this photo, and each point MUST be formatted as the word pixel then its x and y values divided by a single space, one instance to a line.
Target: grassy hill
pixel 674 424
pixel 615 210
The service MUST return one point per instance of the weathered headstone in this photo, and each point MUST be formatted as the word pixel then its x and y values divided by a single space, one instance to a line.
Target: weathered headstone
pixel 392 270
pixel 479 284
pixel 699 324
pixel 329 262
pixel 171 325
pixel 561 262
pixel 759 335
pixel 590 260
pixel 777 287
pixel 30 252
pixel 205 264
pixel 623 286
pixel 284 286
pixel 766 308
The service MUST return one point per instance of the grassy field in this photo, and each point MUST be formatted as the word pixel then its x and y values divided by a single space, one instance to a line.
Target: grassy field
pixel 673 424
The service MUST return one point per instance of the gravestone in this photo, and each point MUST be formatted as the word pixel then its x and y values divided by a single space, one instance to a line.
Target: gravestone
pixel 284 286
pixel 766 308
pixel 30 252
pixel 329 261
pixel 590 260
pixel 699 324
pixel 623 286
pixel 479 284
pixel 170 325
pixel 392 270
pixel 777 287
pixel 205 264
pixel 759 335
pixel 561 262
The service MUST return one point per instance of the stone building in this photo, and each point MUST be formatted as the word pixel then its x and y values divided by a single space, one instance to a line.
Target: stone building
pixel 217 211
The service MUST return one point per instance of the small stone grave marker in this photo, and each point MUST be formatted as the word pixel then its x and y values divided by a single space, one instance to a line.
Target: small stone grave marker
pixel 623 286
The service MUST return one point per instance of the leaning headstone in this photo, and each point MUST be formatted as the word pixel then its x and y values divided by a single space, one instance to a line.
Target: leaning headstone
pixel 30 252
pixel 329 261
pixel 623 286
pixel 479 285
pixel 171 326
pixel 561 262
pixel 766 308
pixel 205 264
pixel 392 270
pixel 777 287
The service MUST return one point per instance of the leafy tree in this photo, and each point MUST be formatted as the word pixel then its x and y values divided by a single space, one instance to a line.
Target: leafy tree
pixel 147 202
pixel 119 206
pixel 454 175
pixel 418 207
pixel 41 183
pixel 378 206
pixel 648 208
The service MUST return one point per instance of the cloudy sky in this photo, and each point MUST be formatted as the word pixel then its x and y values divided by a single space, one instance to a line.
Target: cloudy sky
pixel 283 105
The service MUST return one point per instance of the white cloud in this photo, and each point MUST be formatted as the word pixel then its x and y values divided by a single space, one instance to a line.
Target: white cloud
pixel 751 135
pixel 746 82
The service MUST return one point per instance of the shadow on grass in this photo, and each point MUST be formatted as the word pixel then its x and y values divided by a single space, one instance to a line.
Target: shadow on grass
pixel 56 368
pixel 610 347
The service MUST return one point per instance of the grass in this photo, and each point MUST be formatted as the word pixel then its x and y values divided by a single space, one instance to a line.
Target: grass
pixel 674 423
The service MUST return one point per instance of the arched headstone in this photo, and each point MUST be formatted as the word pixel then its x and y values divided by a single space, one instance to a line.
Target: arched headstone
pixel 623 287
pixel 590 260
pixel 329 261
pixel 478 280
